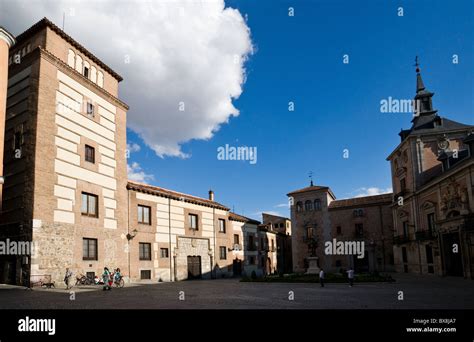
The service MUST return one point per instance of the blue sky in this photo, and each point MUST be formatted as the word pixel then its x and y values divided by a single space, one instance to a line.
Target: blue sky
pixel 337 106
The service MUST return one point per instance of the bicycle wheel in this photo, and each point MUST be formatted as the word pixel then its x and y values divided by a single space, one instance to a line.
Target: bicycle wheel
pixel 121 283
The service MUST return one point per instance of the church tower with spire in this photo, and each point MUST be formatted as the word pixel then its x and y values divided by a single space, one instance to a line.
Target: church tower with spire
pixel 431 186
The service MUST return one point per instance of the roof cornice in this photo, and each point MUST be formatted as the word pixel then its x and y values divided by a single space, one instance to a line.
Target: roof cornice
pixel 7 37
pixel 45 22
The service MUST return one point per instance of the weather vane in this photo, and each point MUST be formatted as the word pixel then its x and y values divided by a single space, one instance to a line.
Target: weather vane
pixel 417 64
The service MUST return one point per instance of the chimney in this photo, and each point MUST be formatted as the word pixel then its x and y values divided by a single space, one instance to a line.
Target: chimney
pixel 211 195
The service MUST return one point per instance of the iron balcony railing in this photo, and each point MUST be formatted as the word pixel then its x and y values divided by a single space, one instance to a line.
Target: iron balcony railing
pixel 424 235
pixel 399 239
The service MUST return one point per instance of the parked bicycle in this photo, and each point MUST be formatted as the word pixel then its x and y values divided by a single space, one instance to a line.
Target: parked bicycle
pixel 117 278
pixel 83 280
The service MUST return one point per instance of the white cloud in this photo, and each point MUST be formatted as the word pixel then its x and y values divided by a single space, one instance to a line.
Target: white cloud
pixel 372 191
pixel 283 205
pixel 183 51
pixel 133 147
pixel 136 173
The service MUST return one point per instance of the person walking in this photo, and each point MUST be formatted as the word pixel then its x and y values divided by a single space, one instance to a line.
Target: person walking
pixel 321 277
pixel 350 276
pixel 67 278
pixel 106 278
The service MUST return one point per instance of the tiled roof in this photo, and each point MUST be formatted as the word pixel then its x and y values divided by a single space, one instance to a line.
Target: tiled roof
pixel 45 22
pixel 361 201
pixel 311 188
pixel 157 191
pixel 237 217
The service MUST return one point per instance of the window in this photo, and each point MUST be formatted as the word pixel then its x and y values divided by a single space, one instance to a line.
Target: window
pixel 145 274
pixel 89 205
pixel 431 222
pixel 89 249
pixel 359 227
pixel 299 207
pixel 193 221
pixel 251 245
pixel 317 204
pixel 236 239
pixel 403 184
pixel 273 245
pixel 223 252
pixel 309 232
pixel 144 214
pixel 90 154
pixel 338 230
pixel 145 251
pixel 90 109
pixel 221 226
pixel 90 275
pixel 281 225
pixel 86 72
pixel 405 228
pixel 18 138
pixel 358 212
pixel 164 252
pixel 308 206
pixel 252 260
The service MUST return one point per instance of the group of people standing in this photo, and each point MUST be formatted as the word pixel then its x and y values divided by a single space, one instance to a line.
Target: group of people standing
pixel 107 277
pixel 350 277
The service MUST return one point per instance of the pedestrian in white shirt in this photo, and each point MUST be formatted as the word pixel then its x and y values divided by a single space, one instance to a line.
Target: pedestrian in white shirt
pixel 321 277
pixel 350 275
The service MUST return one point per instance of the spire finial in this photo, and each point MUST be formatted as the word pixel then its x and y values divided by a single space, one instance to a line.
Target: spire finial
pixel 417 64
pixel 311 178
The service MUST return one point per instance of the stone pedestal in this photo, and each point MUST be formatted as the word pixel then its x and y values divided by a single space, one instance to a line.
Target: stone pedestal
pixel 313 267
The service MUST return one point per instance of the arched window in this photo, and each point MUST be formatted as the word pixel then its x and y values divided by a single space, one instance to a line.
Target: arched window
pixel 308 205
pixel 71 59
pixel 79 64
pixel 93 74
pixel 299 206
pixel 100 79
pixel 317 204
pixel 87 70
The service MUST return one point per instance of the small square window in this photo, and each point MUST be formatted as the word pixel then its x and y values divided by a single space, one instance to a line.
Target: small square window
pixel 90 205
pixel 145 274
pixel 90 154
pixel 164 252
pixel 90 109
pixel 144 214
pixel 145 251
pixel 89 249
pixel 223 252
pixel 193 221
pixel 221 226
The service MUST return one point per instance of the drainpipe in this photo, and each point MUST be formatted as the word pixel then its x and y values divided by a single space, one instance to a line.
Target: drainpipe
pixel 128 240
pixel 214 233
pixel 171 251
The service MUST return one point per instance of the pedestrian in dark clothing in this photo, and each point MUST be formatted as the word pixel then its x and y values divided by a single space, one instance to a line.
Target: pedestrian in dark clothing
pixel 321 277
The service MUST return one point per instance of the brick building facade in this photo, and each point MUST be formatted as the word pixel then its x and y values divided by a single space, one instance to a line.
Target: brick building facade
pixel 66 189
pixel 318 218
pixel 433 181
